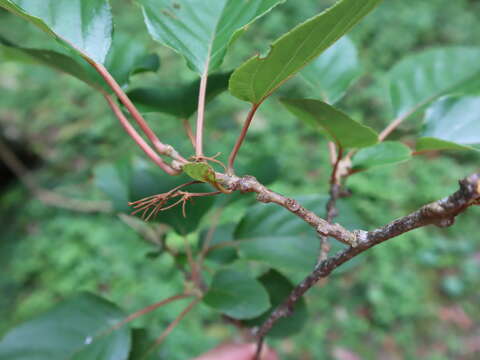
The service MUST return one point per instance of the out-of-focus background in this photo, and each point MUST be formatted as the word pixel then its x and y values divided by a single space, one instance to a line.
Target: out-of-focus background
pixel 414 297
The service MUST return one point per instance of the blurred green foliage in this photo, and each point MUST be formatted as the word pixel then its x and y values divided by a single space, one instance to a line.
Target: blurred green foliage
pixel 396 301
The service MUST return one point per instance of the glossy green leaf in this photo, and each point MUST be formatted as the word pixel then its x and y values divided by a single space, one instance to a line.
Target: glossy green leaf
pixel 134 180
pixel 200 171
pixel 179 100
pixel 201 31
pixel 237 295
pixel 272 235
pixel 71 64
pixel 222 234
pixel 451 123
pixel 333 72
pixel 338 126
pixel 74 329
pixel 278 288
pixel 82 25
pixel 385 153
pixel 257 78
pixel 418 80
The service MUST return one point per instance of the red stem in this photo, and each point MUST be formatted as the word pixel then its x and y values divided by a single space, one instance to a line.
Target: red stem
pixel 137 138
pixel 111 82
pixel 172 326
pixel 148 309
pixel 201 112
pixel 236 148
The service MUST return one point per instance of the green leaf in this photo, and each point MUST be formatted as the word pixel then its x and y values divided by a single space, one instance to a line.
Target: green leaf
pixel 74 329
pixel 339 127
pixel 179 100
pixel 201 31
pixel 418 80
pixel 113 180
pixel 333 72
pixel 237 295
pixel 257 78
pixel 385 153
pixel 278 288
pixel 200 171
pixel 141 343
pixel 71 64
pixel 127 57
pixel 272 235
pixel 451 123
pixel 431 144
pixel 84 26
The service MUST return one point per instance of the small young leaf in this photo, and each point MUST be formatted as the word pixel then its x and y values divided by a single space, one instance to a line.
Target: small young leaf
pixel 385 153
pixel 257 78
pixel 200 171
pixel 201 31
pixel 451 123
pixel 333 72
pixel 420 79
pixel 279 288
pixel 180 100
pixel 73 329
pixel 338 126
pixel 237 295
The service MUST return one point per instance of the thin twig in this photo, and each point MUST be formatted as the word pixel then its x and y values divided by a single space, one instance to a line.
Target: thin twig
pixel 201 110
pixel 189 131
pixel 195 269
pixel 441 213
pixel 241 138
pixel 332 151
pixel 247 184
pixel 331 207
pixel 209 237
pixel 147 310
pixel 137 138
pixel 48 197
pixel 171 327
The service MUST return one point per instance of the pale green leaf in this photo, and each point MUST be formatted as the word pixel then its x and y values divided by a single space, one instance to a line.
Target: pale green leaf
pixel 333 72
pixel 257 78
pixel 452 122
pixel 420 79
pixel 201 31
pixel 385 153
pixel 339 127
